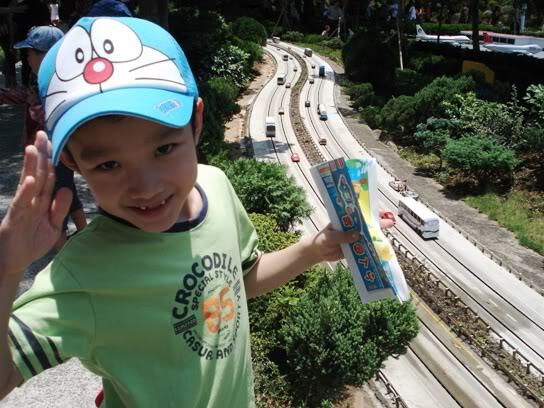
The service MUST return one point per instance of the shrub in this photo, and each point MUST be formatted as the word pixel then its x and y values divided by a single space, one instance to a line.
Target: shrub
pixel 535 100
pixel 334 43
pixel 293 36
pixel 230 63
pixel 433 65
pixel 408 81
pixel 401 115
pixel 434 134
pixel 330 339
pixel 202 33
pixel 313 38
pixel 255 51
pixel 265 188
pixel 482 158
pixel 372 116
pixel 361 95
pixel 220 96
pixel 534 135
pixel 501 122
pixel 369 57
pixel 249 29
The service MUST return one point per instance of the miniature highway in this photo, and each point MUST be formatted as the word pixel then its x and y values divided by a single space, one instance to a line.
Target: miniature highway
pixel 438 368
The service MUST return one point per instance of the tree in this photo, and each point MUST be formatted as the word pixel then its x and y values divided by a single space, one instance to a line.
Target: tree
pixel 155 10
pixel 329 339
pixel 475 12
pixel 265 188
pixel 434 135
pixel 482 158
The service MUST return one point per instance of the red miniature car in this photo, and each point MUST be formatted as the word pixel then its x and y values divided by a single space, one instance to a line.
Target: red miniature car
pixel 295 157
pixel 389 216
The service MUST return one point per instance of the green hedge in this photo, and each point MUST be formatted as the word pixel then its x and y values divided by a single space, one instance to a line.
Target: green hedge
pixel 369 56
pixel 249 29
pixel 521 70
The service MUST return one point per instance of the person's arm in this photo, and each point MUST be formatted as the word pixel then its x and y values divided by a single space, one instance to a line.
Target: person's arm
pixel 78 217
pixel 30 228
pixel 274 269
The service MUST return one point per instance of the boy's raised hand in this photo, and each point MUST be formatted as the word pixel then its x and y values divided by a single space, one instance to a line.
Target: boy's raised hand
pixel 33 222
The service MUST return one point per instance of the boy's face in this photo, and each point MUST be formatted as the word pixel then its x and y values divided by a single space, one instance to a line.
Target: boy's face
pixel 139 170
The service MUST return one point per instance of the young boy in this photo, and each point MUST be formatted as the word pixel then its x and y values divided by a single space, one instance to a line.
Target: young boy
pixel 38 41
pixel 152 295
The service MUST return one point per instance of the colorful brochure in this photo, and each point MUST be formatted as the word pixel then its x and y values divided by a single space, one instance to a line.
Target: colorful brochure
pixel 349 190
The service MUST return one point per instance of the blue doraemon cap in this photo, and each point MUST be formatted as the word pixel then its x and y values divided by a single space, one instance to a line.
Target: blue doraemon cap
pixel 114 66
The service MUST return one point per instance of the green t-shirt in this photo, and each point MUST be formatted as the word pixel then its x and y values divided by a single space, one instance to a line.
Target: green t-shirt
pixel 161 317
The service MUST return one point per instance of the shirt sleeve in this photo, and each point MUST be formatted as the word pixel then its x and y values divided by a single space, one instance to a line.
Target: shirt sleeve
pixel 247 235
pixel 50 323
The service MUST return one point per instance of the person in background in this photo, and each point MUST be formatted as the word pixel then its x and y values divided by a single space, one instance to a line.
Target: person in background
pixel 54 9
pixel 412 11
pixel 110 8
pixel 38 41
pixel 36 14
pixel 326 31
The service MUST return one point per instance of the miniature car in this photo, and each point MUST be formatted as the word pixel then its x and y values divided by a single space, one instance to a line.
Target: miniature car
pixel 410 193
pixel 323 141
pixel 311 80
pixel 295 69
pixel 307 104
pixel 389 216
pixel 397 185
pixel 281 111
pixel 295 158
pixel 313 65
pixel 288 85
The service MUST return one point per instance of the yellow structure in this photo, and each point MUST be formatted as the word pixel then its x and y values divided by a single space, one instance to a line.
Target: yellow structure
pixel 489 75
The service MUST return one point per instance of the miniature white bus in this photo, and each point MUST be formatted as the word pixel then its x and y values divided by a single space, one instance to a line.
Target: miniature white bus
pixel 281 78
pixel 419 217
pixel 270 126
pixel 322 111
pixel 285 57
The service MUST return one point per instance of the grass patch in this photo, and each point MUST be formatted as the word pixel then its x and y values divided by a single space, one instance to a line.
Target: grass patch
pixel 426 164
pixel 331 53
pixel 521 212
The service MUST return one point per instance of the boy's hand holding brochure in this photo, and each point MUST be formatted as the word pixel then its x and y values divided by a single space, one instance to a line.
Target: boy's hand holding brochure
pixel 349 191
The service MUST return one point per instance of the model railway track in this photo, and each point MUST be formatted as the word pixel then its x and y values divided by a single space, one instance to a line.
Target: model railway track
pixel 332 135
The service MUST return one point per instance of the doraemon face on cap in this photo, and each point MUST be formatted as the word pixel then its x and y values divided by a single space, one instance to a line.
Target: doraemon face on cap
pixel 122 66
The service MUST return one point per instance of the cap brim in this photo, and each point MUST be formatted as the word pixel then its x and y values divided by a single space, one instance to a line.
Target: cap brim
pixel 166 107
pixel 22 44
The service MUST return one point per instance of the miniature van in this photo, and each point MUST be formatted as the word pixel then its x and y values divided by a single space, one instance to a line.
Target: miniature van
pixel 270 125
pixel 322 111
pixel 308 52
pixel 322 70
